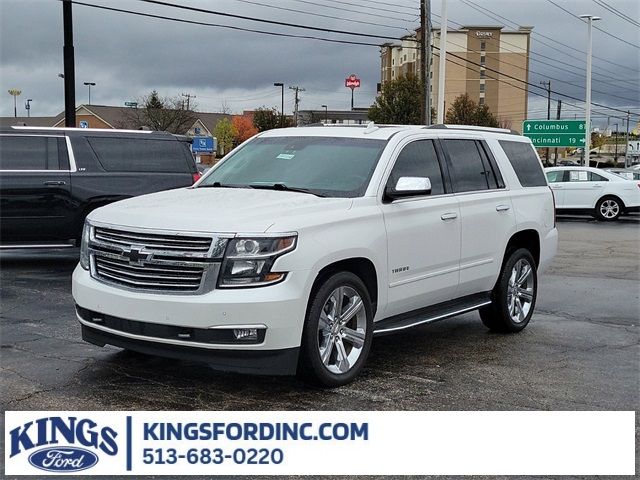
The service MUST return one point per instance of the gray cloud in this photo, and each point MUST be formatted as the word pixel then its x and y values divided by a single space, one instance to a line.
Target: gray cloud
pixel 127 56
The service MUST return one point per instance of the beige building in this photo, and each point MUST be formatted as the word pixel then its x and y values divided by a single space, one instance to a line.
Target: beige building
pixel 477 54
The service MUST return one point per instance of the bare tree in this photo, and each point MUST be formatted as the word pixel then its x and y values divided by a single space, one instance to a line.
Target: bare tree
pixel 225 107
pixel 167 114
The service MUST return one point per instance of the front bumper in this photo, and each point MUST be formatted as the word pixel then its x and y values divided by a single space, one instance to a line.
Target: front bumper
pixel 143 320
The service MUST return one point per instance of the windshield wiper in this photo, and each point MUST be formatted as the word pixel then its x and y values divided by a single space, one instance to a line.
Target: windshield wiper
pixel 284 188
pixel 220 185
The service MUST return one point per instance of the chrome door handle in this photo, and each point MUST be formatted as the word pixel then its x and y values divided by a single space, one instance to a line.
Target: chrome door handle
pixel 596 186
pixel 502 208
pixel 556 187
pixel 449 216
pixel 55 182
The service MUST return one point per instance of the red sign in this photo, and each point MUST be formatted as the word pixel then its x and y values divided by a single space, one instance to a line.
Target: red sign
pixel 352 82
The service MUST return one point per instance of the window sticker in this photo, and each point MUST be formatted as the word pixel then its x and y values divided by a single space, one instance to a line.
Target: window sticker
pixel 578 176
pixel 285 156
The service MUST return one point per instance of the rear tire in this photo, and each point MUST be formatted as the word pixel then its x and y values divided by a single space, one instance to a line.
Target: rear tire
pixel 514 296
pixel 609 209
pixel 338 331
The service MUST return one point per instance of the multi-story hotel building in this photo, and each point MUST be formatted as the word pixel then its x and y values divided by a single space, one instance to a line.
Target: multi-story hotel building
pixel 475 56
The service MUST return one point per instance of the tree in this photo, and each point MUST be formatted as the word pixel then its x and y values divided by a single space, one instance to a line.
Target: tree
pixel 598 140
pixel 464 111
pixel 244 128
pixel 225 133
pixel 399 102
pixel 162 114
pixel 265 118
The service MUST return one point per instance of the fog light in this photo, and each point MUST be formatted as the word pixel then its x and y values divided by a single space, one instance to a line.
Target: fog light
pixel 246 334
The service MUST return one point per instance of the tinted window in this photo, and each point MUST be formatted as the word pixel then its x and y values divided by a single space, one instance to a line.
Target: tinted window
pixel 525 163
pixel 418 159
pixel 28 153
pixel 555 176
pixel 139 155
pixel 466 167
pixel 594 177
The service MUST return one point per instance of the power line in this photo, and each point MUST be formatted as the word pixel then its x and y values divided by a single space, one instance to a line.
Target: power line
pixel 309 37
pixel 343 9
pixel 263 20
pixel 594 26
pixel 616 12
pixel 502 18
pixel 317 14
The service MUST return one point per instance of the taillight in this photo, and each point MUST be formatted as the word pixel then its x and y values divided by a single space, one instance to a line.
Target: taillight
pixel 196 176
pixel 554 206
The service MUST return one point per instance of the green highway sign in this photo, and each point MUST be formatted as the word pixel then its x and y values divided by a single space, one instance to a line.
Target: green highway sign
pixel 555 133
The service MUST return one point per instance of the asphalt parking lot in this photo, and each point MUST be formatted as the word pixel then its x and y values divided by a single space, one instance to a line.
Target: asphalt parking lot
pixel 581 351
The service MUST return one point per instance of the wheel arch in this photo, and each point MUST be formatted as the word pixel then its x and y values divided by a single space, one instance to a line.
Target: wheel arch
pixel 529 239
pixel 610 195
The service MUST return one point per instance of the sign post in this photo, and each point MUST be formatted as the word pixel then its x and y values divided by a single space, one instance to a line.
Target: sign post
pixel 203 145
pixel 555 133
pixel 352 82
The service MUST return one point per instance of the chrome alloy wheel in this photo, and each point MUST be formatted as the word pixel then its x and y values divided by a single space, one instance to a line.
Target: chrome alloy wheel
pixel 341 330
pixel 520 290
pixel 609 208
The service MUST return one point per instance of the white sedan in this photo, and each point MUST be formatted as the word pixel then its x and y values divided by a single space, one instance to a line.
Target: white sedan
pixel 595 191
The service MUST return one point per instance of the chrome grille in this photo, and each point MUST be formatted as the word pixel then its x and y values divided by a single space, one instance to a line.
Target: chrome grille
pixel 154 241
pixel 170 262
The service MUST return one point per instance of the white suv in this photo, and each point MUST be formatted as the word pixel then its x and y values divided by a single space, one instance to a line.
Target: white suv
pixel 304 243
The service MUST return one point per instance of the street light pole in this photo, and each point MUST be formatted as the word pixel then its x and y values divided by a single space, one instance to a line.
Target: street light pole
pixel 90 84
pixel 69 66
pixel 326 113
pixel 27 106
pixel 15 93
pixel 587 140
pixel 615 155
pixel 281 85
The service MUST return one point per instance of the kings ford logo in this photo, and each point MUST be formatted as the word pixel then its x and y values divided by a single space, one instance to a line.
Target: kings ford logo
pixel 63 444
pixel 66 459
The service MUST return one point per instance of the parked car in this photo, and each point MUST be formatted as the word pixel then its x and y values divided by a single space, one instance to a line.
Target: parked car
pixel 598 192
pixel 627 173
pixel 51 178
pixel 314 240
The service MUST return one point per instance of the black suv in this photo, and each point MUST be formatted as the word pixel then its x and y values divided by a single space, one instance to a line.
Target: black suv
pixel 51 178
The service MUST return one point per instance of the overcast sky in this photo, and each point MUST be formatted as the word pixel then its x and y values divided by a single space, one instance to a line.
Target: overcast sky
pixel 127 56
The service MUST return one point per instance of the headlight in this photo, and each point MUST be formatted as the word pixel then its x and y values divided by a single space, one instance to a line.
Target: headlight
pixel 248 261
pixel 84 246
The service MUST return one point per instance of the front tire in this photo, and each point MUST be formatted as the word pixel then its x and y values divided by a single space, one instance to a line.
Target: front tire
pixel 338 331
pixel 609 209
pixel 514 296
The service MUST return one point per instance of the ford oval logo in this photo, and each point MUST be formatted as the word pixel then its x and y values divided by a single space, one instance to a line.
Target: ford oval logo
pixel 63 459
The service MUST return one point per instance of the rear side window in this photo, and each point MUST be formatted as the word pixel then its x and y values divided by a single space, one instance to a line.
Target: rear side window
pixel 139 155
pixel 525 163
pixel 29 153
pixel 418 159
pixel 556 176
pixel 466 166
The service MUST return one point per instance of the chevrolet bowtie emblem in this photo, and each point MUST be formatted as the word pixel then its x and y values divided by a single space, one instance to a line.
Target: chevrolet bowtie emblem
pixel 137 256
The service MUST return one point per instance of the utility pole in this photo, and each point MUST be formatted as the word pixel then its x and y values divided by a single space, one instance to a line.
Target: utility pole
pixel 27 106
pixel 281 85
pixel 425 55
pixel 90 84
pixel 547 85
pixel 443 62
pixel 555 160
pixel 69 66
pixel 297 90
pixel 626 143
pixel 188 96
pixel 615 155
pixel 587 134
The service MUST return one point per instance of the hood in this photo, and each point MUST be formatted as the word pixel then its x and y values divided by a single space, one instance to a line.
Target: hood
pixel 220 210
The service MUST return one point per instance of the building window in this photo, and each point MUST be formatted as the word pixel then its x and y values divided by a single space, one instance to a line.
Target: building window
pixel 481 102
pixel 483 73
pixel 482 88
pixel 393 61
pixel 483 46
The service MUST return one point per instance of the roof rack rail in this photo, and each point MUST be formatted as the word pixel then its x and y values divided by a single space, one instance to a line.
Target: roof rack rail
pixel 474 128
pixel 59 129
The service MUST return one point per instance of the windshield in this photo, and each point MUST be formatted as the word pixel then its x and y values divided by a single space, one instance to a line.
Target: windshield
pixel 324 166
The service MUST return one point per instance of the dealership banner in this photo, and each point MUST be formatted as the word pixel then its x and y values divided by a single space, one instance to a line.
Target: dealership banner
pixel 320 443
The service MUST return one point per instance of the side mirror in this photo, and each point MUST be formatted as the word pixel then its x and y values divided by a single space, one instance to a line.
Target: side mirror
pixel 409 187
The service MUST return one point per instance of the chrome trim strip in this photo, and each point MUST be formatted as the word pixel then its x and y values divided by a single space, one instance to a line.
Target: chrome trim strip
pixel 218 346
pixel 258 326
pixel 432 319
pixel 56 245
pixel 73 166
